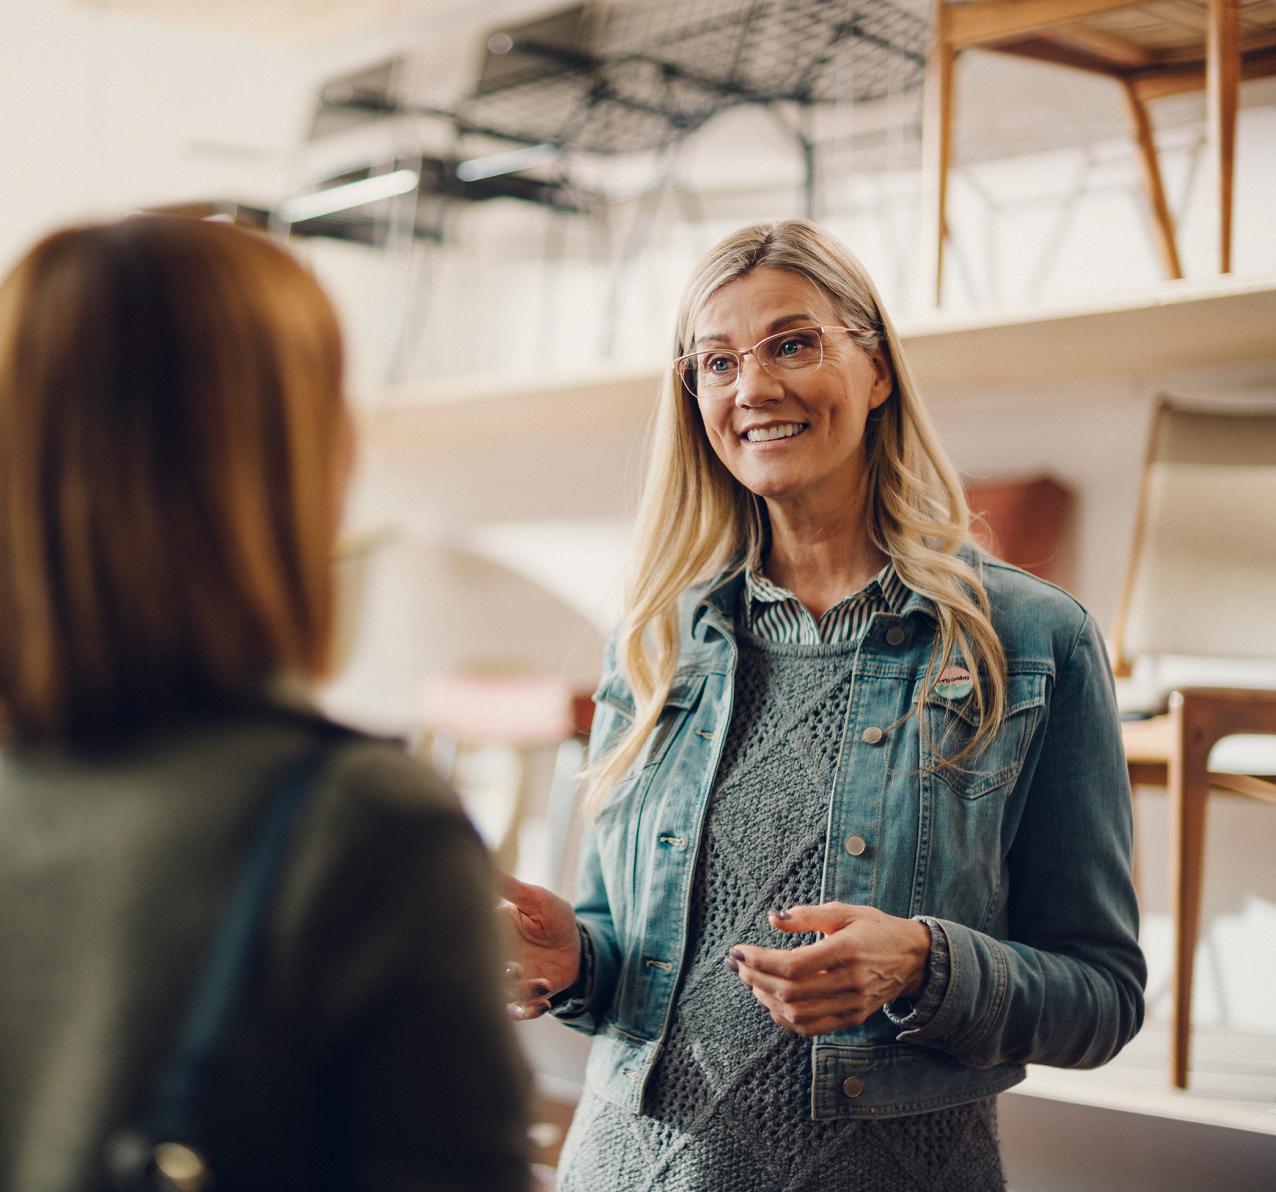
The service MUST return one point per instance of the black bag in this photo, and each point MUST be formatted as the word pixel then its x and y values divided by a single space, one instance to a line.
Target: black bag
pixel 166 1152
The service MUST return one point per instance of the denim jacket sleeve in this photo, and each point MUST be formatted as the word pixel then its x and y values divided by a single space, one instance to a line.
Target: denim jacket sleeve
pixel 1066 987
pixel 584 1007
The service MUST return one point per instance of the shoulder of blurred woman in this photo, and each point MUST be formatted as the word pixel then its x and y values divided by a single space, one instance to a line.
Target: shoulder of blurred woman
pixel 385 846
pixel 379 775
pixel 387 964
pixel 369 773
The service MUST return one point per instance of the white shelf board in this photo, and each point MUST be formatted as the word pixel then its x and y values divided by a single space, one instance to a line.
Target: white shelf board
pixel 1232 1082
pixel 1184 325
pixel 482 412
pixel 1188 327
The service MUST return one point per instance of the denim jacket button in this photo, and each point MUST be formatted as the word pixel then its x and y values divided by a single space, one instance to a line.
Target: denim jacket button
pixel 852 1086
pixel 872 735
pixel 855 845
pixel 895 636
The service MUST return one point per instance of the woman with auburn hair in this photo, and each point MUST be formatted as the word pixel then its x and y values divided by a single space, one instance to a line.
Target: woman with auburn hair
pixel 174 447
pixel 860 838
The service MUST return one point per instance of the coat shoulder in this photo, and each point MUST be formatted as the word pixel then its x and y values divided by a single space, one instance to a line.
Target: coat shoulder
pixel 1033 617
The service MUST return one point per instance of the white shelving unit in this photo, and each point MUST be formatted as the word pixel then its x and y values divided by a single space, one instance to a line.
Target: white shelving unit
pixel 1218 335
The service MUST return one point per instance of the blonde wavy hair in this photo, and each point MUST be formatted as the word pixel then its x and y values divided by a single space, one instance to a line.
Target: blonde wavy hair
pixel 695 520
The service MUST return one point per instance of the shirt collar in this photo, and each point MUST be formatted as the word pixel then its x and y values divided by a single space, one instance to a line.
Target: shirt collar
pixel 723 590
pixel 758 589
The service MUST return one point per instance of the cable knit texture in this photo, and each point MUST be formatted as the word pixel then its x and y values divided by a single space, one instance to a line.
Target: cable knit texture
pixel 728 1104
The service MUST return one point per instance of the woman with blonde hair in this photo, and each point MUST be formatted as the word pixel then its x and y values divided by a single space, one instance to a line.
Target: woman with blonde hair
pixel 860 837
pixel 174 447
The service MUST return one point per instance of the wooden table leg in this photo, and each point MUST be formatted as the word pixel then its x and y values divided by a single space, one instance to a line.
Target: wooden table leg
pixel 1163 221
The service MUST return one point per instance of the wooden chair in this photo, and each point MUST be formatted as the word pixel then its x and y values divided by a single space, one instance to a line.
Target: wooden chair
pixel 529 725
pixel 1150 50
pixel 1201 584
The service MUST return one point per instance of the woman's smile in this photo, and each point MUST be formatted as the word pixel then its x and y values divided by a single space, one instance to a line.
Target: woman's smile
pixel 773 434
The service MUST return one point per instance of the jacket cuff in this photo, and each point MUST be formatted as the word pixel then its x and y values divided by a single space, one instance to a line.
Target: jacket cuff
pixel 974 999
pixel 912 1014
pixel 573 1001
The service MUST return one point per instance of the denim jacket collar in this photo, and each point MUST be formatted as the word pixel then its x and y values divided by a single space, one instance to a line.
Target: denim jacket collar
pixel 713 603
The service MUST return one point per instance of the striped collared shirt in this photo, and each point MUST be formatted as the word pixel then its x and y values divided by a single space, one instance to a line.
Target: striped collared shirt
pixel 775 614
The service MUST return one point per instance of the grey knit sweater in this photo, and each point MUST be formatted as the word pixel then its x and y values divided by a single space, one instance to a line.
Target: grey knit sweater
pixel 728 1106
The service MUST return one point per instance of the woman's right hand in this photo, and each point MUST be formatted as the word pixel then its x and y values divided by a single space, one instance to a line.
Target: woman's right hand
pixel 545 945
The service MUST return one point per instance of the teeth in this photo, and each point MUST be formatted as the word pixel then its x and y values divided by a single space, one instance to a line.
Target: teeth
pixel 764 434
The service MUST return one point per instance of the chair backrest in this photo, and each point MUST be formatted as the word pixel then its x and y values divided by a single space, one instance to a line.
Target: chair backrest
pixel 1025 522
pixel 1202 576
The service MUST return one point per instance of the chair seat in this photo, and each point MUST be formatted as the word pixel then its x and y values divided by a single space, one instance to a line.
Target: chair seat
pixel 1244 754
pixel 1155 33
pixel 1148 743
pixel 1147 689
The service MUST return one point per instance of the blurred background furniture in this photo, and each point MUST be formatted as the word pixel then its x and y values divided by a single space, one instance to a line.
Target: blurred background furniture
pixel 1150 50
pixel 512 745
pixel 1026 522
pixel 1200 585
pixel 352 564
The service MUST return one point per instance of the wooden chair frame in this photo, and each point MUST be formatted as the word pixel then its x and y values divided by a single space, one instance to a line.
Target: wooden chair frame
pixel 1173 751
pixel 1054 31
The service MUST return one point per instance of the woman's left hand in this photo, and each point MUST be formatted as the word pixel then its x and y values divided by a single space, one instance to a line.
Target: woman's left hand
pixel 866 959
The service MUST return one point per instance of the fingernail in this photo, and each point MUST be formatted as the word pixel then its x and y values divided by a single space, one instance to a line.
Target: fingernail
pixel 731 963
pixel 515 1011
pixel 736 954
pixel 540 988
pixel 512 971
pixel 783 916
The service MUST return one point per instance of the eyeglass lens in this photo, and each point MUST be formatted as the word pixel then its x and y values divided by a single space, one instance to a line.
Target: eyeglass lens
pixel 719 368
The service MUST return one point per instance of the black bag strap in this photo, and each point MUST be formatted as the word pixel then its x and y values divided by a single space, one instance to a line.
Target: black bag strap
pixel 232 953
pixel 173 1115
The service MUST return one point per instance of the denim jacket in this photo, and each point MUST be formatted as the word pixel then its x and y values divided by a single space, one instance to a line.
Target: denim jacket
pixel 1021 856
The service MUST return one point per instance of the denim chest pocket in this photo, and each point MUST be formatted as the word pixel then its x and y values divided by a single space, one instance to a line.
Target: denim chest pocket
pixel 684 694
pixel 951 724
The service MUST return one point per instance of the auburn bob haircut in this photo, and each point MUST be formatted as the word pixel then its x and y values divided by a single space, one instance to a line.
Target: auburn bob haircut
pixel 173 442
